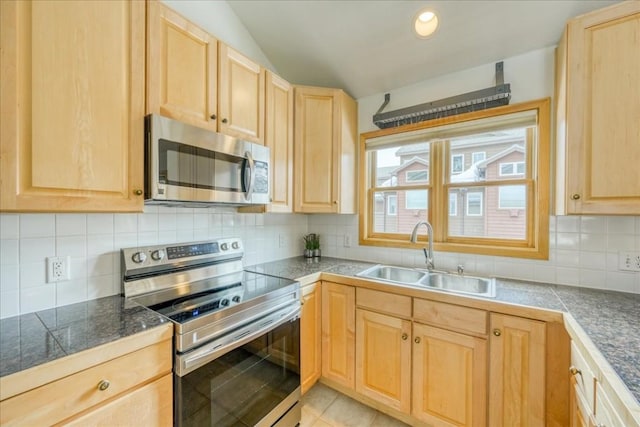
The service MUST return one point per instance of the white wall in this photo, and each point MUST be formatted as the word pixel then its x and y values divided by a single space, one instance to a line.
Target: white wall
pixel 93 241
pixel 219 20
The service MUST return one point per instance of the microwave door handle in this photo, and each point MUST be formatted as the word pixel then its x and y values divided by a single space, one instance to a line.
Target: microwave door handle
pixel 252 176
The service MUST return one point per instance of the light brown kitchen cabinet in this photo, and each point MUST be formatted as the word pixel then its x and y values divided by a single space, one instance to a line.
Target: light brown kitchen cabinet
pixel 182 69
pixel 310 336
pixel 517 352
pixel 383 359
pixel 598 113
pixel 113 384
pixel 325 129
pixel 338 333
pixel 241 95
pixel 72 99
pixel 194 78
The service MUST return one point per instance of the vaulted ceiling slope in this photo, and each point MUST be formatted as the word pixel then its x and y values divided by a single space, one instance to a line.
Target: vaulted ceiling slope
pixel 368 47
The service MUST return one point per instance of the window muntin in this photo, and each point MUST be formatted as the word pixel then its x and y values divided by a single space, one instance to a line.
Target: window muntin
pixel 457 163
pixel 517 134
pixel 392 205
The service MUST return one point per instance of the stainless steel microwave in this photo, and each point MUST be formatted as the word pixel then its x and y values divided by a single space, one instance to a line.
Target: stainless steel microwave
pixel 191 166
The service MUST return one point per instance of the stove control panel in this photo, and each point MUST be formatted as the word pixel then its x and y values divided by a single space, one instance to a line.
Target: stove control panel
pixel 148 259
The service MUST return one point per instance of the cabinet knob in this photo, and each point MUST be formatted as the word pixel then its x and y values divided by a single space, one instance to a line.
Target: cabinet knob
pixel 404 336
pixel 497 332
pixel 137 192
pixel 213 116
pixel 575 371
pixel 335 202
pixel 103 385
pixel 224 120
pixel 575 196
pixel 417 340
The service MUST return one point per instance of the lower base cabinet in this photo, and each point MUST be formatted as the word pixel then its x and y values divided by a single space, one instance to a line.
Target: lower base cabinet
pixel 449 377
pixel 338 333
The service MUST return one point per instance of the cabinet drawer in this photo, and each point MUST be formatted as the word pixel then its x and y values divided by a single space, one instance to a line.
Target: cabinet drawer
pixel 584 378
pixel 450 316
pixel 606 415
pixel 384 302
pixel 70 395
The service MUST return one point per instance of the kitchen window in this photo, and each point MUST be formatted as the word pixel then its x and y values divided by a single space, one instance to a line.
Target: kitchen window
pixel 503 193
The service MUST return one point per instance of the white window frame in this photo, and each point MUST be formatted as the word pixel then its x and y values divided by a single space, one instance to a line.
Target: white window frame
pixel 514 165
pixel 406 201
pixel 406 176
pixel 461 156
pixel 453 197
pixel 389 198
pixel 481 203
pixel 511 208
pixel 474 155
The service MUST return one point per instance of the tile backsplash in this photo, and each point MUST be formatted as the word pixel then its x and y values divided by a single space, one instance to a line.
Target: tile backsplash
pixel 93 242
pixel 583 250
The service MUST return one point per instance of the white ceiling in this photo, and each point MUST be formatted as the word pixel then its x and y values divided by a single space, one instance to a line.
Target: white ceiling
pixel 368 47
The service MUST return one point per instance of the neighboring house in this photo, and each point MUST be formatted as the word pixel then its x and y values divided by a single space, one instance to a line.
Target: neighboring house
pixel 473 211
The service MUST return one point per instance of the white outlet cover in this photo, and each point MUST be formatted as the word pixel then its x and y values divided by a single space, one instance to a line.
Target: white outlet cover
pixel 58 269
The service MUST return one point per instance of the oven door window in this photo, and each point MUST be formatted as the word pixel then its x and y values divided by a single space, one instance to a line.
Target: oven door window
pixel 244 385
pixel 184 165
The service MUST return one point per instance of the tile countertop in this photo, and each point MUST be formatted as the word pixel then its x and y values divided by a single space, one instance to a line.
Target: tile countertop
pixel 610 319
pixel 36 338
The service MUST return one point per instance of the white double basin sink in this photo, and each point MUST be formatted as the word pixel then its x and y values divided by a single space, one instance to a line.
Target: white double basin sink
pixel 438 280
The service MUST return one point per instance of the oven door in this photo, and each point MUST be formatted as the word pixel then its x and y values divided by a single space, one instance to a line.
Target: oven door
pixel 255 384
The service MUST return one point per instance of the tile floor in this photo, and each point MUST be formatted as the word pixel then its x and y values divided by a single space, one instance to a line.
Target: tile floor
pixel 325 407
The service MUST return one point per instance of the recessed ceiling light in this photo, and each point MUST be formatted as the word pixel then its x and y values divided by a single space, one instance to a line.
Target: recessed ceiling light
pixel 425 23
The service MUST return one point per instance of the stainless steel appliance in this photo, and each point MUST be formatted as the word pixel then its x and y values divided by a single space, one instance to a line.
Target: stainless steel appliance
pixel 237 334
pixel 188 165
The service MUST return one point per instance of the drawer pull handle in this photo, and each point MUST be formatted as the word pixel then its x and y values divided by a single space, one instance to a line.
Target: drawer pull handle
pixel 103 385
pixel 575 196
pixel 224 120
pixel 497 332
pixel 417 340
pixel 213 116
pixel 575 371
pixel 405 336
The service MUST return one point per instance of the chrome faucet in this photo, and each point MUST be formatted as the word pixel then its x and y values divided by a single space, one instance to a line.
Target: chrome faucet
pixel 414 239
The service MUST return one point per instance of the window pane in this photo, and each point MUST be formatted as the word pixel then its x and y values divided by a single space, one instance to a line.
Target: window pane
pixel 402 165
pixel 493 220
pixel 503 152
pixel 512 197
pixel 404 218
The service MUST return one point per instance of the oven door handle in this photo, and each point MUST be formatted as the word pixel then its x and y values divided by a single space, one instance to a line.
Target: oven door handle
pixel 250 169
pixel 190 362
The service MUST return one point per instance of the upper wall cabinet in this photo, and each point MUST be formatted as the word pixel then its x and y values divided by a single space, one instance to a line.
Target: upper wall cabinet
pixel 182 69
pixel 325 129
pixel 598 113
pixel 193 78
pixel 72 85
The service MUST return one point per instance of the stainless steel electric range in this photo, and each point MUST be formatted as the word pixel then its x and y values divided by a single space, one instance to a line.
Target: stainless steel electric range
pixel 237 334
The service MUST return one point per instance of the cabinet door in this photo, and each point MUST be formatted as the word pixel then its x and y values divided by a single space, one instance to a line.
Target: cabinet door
pixel 72 85
pixel 338 329
pixel 310 336
pixel 449 377
pixel 603 111
pixel 316 166
pixel 241 96
pixel 150 405
pixel 383 359
pixel 516 371
pixel 182 69
pixel 279 138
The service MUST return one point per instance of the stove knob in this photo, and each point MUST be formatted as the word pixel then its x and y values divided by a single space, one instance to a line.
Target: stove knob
pixel 139 257
pixel 236 299
pixel 224 302
pixel 224 246
pixel 157 255
pixel 235 245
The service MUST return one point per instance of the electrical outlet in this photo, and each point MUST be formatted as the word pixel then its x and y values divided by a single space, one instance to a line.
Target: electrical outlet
pixel 58 269
pixel 629 261
pixel 347 241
